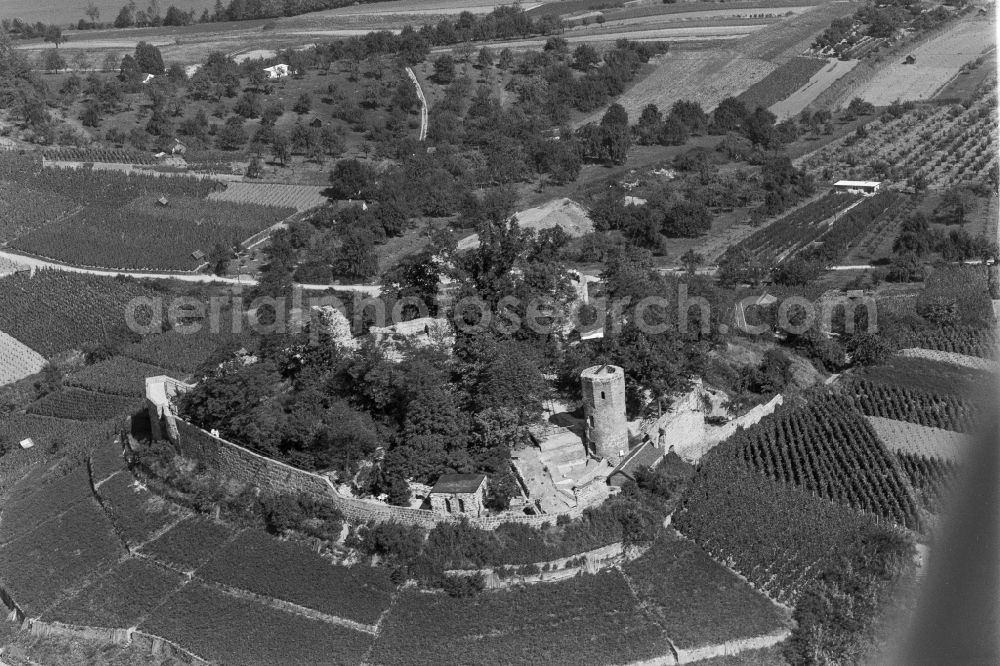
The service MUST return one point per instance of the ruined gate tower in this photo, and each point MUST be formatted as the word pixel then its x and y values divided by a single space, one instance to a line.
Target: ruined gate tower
pixel 604 408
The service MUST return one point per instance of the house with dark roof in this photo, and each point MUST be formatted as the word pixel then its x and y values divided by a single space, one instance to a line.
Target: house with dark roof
pixel 646 454
pixel 459 493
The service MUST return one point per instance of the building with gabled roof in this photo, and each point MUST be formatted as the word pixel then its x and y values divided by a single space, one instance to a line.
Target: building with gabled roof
pixel 459 493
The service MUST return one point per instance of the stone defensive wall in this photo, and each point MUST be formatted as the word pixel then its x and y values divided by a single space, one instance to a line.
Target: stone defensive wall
pixel 253 469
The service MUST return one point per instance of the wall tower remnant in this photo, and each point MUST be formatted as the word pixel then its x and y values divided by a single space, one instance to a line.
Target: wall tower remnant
pixel 604 409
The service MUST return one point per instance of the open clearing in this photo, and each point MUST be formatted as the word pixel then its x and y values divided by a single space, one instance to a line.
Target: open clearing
pixel 937 62
pixel 804 96
pixel 17 360
pixel 564 213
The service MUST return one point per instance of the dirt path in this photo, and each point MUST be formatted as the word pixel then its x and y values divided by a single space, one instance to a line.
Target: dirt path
pixel 35 263
pixel 423 103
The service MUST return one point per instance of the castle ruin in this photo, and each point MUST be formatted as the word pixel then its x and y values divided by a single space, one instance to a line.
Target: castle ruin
pixel 604 410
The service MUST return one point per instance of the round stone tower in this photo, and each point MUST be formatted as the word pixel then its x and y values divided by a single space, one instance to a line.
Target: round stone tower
pixel 604 408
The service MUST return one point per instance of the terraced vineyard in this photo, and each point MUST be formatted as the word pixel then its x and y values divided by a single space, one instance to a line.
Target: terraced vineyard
pixel 118 375
pixel 776 535
pixel 827 449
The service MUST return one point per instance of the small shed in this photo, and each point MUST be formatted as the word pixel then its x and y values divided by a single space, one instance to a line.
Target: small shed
pixel 866 187
pixel 316 122
pixel 163 201
pixel 910 59
pixel 198 255
pixel 27 443
pixel 460 494
pixel 178 148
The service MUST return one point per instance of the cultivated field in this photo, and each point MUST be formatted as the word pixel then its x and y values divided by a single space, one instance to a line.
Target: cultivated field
pixel 53 311
pixel 944 145
pixel 710 75
pixel 782 82
pixel 937 62
pixel 793 104
pixel 918 440
pixel 299 197
pixel 118 375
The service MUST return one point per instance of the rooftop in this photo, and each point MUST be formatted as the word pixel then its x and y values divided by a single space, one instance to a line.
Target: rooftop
pixel 644 455
pixel 458 483
pixel 857 183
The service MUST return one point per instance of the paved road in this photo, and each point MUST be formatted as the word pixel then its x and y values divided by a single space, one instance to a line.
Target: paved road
pixel 34 262
pixel 423 103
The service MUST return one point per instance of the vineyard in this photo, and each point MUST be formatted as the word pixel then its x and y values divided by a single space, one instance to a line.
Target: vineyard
pixel 828 450
pixel 107 218
pixel 942 145
pixel 968 340
pixel 900 403
pixel 145 235
pixel 782 82
pixel 23 209
pixel 875 241
pixel 118 375
pixel 585 620
pixel 926 376
pixel 777 536
pixel 17 360
pixel 802 226
pixel 32 502
pixel 119 155
pixel 56 311
pixel 901 437
pixel 180 353
pixel 80 405
pixel 235 630
pixel 844 231
pixel 299 197
pixel 930 478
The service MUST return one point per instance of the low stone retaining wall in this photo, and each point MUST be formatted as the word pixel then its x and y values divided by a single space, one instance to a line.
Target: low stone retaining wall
pixel 594 560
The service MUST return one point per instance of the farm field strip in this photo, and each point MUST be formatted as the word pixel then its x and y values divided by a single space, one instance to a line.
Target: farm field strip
pixel 889 401
pixel 913 439
pixel 937 62
pixel 188 544
pixel 954 358
pixel 136 513
pixel 299 197
pixel 818 82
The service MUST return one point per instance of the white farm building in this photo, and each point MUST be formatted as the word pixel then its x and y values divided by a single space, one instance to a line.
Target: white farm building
pixel 276 71
pixel 857 186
